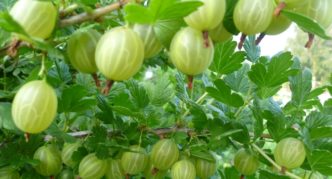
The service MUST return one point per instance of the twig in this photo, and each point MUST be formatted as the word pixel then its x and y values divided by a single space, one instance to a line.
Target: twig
pixel 274 163
pixel 93 15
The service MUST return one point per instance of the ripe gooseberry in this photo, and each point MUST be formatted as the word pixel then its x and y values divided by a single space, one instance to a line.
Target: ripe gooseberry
pixel 220 34
pixel 253 16
pixel 189 53
pixel 37 18
pixel 50 160
pixel 204 168
pixel 290 153
pixel 208 16
pixel 91 167
pixel 133 162
pixel 152 46
pixel 34 106
pixel 81 50
pixel 119 53
pixel 9 173
pixel 67 153
pixel 246 162
pixel 164 153
pixel 114 170
pixel 183 169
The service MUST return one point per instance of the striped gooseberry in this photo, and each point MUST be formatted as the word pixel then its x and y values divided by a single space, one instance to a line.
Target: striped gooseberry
pixel 114 170
pixel 119 53
pixel 278 25
pixel 164 153
pixel 91 167
pixel 34 106
pixel 220 34
pixel 246 162
pixel 189 52
pixel 208 16
pixel 50 160
pixel 38 18
pixel 66 174
pixel 152 46
pixel 318 10
pixel 183 169
pixel 150 172
pixel 67 153
pixel 253 16
pixel 134 161
pixel 204 168
pixel 290 153
pixel 9 172
pixel 81 50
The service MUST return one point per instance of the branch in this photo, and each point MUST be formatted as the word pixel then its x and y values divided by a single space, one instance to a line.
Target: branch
pixel 274 163
pixel 93 15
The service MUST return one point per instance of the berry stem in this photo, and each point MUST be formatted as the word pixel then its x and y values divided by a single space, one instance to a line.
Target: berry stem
pixel 127 176
pixel 206 39
pixel 13 47
pixel 310 40
pixel 52 177
pixel 279 8
pixel 109 84
pixel 242 177
pixel 27 137
pixel 154 171
pixel 260 38
pixel 190 82
pixel 96 79
pixel 283 170
pixel 242 39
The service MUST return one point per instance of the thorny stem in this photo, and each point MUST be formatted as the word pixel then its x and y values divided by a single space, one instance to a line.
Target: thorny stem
pixel 274 163
pixel 310 40
pixel 68 10
pixel 260 38
pixel 242 39
pixel 93 15
pixel 13 47
pixel 279 8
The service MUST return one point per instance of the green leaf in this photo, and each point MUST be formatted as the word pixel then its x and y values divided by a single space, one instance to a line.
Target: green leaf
pixel 317 119
pixel 226 60
pixel 223 93
pixel 178 10
pixel 306 23
pixel 75 99
pixel 6 120
pixel 54 131
pixel 270 75
pixel 253 50
pixel 138 94
pixel 106 115
pixel 320 132
pixel 300 86
pixel 238 80
pixel 166 29
pixel 138 14
pixel 160 92
pixel 228 21
pixel 321 161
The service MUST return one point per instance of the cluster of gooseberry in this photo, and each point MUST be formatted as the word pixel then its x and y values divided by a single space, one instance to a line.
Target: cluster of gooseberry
pixel 164 156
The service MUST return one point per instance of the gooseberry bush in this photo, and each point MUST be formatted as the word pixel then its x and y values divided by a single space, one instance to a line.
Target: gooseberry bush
pixel 160 89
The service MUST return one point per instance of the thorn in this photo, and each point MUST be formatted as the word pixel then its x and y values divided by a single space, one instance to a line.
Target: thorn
pixel 27 137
